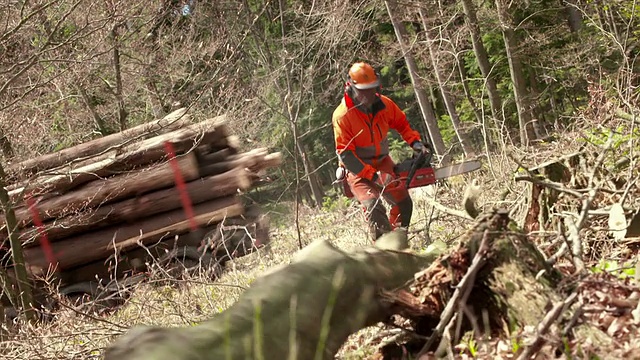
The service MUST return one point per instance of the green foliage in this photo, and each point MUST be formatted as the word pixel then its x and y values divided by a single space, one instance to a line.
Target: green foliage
pixel 399 149
pixel 446 128
pixel 516 344
pixel 469 343
pixel 599 136
pixel 336 203
pixel 622 270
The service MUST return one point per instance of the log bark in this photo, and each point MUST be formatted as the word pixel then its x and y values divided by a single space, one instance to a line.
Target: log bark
pixel 254 160
pixel 126 158
pixel 131 210
pixel 116 188
pixel 173 121
pixel 283 315
pixel 494 270
pixel 88 247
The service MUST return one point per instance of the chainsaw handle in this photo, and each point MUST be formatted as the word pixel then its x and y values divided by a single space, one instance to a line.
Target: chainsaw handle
pixel 422 158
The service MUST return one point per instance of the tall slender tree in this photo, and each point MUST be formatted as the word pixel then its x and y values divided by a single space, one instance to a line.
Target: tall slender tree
pixel 483 61
pixel 447 98
pixel 520 91
pixel 418 85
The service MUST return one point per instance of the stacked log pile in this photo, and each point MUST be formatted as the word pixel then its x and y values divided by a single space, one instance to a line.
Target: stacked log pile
pixel 127 190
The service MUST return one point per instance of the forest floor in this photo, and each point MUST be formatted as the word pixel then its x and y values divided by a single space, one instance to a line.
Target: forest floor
pixel 609 296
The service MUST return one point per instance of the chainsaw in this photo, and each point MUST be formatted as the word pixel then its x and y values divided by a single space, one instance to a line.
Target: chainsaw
pixel 417 171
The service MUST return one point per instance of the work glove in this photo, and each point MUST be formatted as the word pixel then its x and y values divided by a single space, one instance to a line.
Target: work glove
pixel 419 147
pixel 384 179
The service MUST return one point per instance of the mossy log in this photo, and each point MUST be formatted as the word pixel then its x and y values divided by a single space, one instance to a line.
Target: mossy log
pixel 304 310
pixel 494 272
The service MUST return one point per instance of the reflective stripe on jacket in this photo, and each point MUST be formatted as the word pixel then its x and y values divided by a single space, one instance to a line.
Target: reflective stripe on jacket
pixel 361 138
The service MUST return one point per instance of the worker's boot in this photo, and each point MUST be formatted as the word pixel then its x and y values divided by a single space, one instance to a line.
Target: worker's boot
pixel 376 216
pixel 400 214
pixel 394 240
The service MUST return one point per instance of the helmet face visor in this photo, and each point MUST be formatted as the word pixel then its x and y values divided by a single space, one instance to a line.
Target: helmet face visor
pixel 366 86
pixel 365 97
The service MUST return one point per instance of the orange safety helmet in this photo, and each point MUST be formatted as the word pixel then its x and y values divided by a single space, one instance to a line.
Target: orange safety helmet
pixel 363 76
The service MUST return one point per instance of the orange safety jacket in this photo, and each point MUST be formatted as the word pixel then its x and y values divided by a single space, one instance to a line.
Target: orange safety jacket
pixel 361 138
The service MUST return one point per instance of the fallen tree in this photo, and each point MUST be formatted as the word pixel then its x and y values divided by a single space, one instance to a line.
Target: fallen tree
pixel 362 287
pixel 494 281
pixel 285 302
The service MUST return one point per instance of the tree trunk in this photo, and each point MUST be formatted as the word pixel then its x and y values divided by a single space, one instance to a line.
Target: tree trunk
pixel 131 210
pixel 173 121
pixel 312 176
pixel 120 160
pixel 574 15
pixel 467 148
pixel 494 270
pixel 517 76
pixel 284 315
pixel 117 69
pixel 24 285
pixel 538 122
pixel 425 106
pixel 116 188
pixel 97 119
pixel 87 247
pixel 483 62
pixel 5 146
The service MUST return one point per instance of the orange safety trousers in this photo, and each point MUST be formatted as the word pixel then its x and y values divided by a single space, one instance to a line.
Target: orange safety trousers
pixel 370 196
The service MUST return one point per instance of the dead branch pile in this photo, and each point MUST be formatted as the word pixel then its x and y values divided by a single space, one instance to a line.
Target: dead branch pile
pixel 586 202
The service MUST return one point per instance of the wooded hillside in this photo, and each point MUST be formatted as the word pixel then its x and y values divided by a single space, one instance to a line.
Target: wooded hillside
pixel 545 92
pixel 486 73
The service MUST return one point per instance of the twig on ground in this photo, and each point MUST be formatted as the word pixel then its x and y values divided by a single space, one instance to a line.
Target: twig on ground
pixel 574 228
pixel 576 315
pixel 544 325
pixel 461 290
pixel 445 344
pixel 549 184
pixel 94 318
pixel 576 244
pixel 454 212
pixel 563 248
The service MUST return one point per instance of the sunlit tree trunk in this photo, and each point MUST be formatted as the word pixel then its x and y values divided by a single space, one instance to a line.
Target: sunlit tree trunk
pixel 483 61
pixel 421 94
pixel 517 77
pixel 122 112
pixel 467 148
pixel 24 285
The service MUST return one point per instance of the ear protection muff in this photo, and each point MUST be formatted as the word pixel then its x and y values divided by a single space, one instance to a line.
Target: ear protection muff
pixel 348 89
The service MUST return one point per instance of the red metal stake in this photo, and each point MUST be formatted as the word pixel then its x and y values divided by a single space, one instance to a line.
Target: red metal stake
pixel 44 239
pixel 181 185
